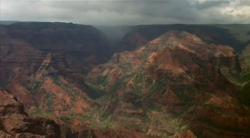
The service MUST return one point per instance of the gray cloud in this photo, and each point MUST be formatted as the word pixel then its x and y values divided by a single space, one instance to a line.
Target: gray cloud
pixel 117 12
pixel 212 4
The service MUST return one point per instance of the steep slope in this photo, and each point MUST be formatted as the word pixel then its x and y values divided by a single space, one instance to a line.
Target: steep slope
pixel 48 82
pixel 82 45
pixel 246 58
pixel 235 36
pixel 173 85
pixel 14 122
pixel 35 79
pixel 244 78
pixel 16 57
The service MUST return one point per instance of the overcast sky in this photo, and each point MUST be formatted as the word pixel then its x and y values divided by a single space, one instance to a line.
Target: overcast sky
pixel 127 12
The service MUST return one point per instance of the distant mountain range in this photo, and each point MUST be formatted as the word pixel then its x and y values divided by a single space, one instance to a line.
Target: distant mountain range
pixel 181 81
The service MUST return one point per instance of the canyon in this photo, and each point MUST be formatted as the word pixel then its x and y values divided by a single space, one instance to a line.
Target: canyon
pixel 69 80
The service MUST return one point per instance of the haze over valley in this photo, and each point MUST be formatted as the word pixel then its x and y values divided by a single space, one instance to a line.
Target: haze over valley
pixel 125 69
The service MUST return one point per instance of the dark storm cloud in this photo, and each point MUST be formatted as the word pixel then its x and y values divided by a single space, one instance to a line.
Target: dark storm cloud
pixel 115 12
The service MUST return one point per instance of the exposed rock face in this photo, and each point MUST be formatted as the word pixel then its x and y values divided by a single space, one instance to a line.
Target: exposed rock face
pixel 15 123
pixel 178 55
pixel 178 75
pixel 17 59
pixel 172 85
pixel 33 76
pixel 46 80
pixel 97 133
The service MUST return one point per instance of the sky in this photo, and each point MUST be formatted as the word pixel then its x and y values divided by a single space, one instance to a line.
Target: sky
pixel 127 12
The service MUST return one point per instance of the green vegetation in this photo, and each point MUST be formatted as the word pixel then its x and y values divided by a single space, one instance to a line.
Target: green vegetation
pixel 139 77
pixel 139 83
pixel 102 84
pixel 243 82
pixel 104 123
pixel 99 86
pixel 213 108
pixel 50 102
pixel 102 81
pixel 40 113
pixel 117 86
pixel 69 118
pixel 245 77
pixel 36 86
pixel 238 79
pixel 68 88
pixel 95 90
pixel 186 93
pixel 56 80
pixel 145 55
pixel 98 120
pixel 158 86
pixel 126 66
pixel 245 94
pixel 144 83
pixel 246 58
pixel 164 125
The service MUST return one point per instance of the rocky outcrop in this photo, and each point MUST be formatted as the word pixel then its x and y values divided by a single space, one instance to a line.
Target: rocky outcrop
pixel 178 75
pixel 15 123
pixel 109 133
pixel 171 85
pixel 33 77
pixel 176 55
pixel 41 68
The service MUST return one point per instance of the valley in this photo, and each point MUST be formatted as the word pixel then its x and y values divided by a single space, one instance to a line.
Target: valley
pixel 152 81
